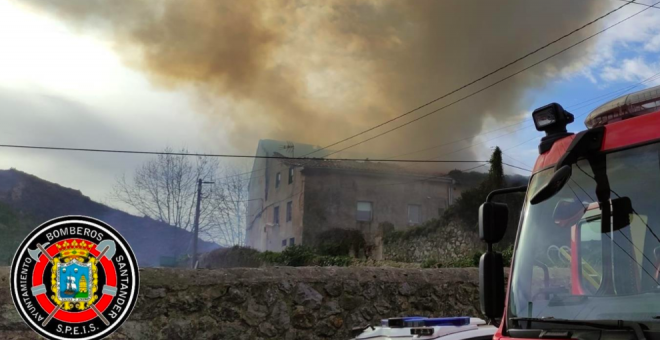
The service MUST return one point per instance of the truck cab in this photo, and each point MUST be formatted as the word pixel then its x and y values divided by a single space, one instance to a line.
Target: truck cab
pixel 587 254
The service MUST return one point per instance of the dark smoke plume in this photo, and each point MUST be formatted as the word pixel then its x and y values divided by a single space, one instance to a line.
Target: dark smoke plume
pixel 317 71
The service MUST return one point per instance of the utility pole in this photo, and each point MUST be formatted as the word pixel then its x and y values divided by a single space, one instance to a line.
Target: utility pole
pixel 196 225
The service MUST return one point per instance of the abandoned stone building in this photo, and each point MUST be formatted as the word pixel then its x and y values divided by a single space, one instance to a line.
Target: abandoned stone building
pixel 292 200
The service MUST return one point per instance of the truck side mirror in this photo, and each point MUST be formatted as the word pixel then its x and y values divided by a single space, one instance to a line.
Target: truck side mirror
pixel 491 285
pixel 493 218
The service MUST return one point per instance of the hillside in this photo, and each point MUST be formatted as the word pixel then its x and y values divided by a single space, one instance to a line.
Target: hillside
pixel 26 201
pixel 13 229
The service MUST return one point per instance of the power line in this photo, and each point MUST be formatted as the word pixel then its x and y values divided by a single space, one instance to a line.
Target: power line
pixel 53 148
pixel 579 105
pixel 459 140
pixel 639 3
pixel 478 79
pixel 517 160
pixel 489 86
pixel 440 176
pixel 517 167
pixel 473 168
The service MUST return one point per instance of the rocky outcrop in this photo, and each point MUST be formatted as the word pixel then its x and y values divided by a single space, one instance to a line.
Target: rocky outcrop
pixel 277 302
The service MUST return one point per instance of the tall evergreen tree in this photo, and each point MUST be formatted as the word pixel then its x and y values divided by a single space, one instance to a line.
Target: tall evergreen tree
pixel 496 173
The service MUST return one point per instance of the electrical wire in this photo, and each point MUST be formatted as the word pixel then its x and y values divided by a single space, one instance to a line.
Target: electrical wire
pixel 487 87
pixel 579 105
pixel 478 79
pixel 639 3
pixel 53 148
pixel 517 160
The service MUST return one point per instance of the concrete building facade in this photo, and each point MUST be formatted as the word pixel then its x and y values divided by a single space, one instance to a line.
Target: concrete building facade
pixel 291 201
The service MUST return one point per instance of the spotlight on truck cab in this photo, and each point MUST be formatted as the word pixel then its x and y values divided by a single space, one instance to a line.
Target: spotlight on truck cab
pixel 552 119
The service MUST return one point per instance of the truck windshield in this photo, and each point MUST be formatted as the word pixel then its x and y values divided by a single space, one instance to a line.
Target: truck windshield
pixel 570 265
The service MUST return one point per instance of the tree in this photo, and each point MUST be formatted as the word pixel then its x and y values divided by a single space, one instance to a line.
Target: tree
pixel 496 172
pixel 165 189
pixel 231 200
pixel 466 207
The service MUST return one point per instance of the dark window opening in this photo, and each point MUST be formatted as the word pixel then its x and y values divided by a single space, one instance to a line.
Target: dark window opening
pixel 290 175
pixel 276 215
pixel 278 179
pixel 292 241
pixel 283 243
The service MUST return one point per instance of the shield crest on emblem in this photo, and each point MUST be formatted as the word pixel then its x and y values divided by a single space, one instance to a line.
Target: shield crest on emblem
pixel 74 281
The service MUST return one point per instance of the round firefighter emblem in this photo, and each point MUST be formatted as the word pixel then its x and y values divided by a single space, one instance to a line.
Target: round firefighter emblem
pixel 74 277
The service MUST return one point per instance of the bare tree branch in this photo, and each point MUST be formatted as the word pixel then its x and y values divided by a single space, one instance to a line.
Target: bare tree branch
pixel 165 189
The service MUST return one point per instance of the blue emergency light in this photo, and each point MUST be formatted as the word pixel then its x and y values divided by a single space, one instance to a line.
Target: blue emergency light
pixel 417 321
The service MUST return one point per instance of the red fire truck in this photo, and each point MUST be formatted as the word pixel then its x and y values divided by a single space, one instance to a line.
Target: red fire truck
pixel 586 261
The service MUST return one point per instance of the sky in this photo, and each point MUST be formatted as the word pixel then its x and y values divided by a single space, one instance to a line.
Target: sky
pixel 75 74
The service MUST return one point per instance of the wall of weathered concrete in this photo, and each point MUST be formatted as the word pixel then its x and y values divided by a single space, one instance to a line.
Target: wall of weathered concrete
pixel 331 198
pixel 276 302
pixel 445 245
pixel 263 232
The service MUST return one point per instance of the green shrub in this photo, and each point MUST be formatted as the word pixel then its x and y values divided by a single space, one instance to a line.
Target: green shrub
pixel 271 257
pixel 14 227
pixel 423 229
pixel 507 254
pixel 393 236
pixel 337 261
pixel 430 263
pixel 340 242
pixel 461 262
pixel 298 256
pixel 231 257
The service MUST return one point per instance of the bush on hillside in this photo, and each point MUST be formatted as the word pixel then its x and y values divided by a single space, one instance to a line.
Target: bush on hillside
pixel 231 257
pixel 294 256
pixel 461 262
pixel 466 207
pixel 423 229
pixel 14 227
pixel 340 242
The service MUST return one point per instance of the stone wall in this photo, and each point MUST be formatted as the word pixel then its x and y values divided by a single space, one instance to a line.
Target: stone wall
pixel 445 244
pixel 276 302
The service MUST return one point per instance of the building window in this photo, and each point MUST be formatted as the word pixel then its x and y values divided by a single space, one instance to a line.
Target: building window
pixel 364 211
pixel 278 179
pixel 276 215
pixel 289 208
pixel 414 214
pixel 292 241
pixel 283 243
pixel 290 175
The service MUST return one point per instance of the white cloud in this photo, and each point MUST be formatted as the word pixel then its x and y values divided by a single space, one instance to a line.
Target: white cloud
pixel 603 62
pixel 653 45
pixel 631 70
